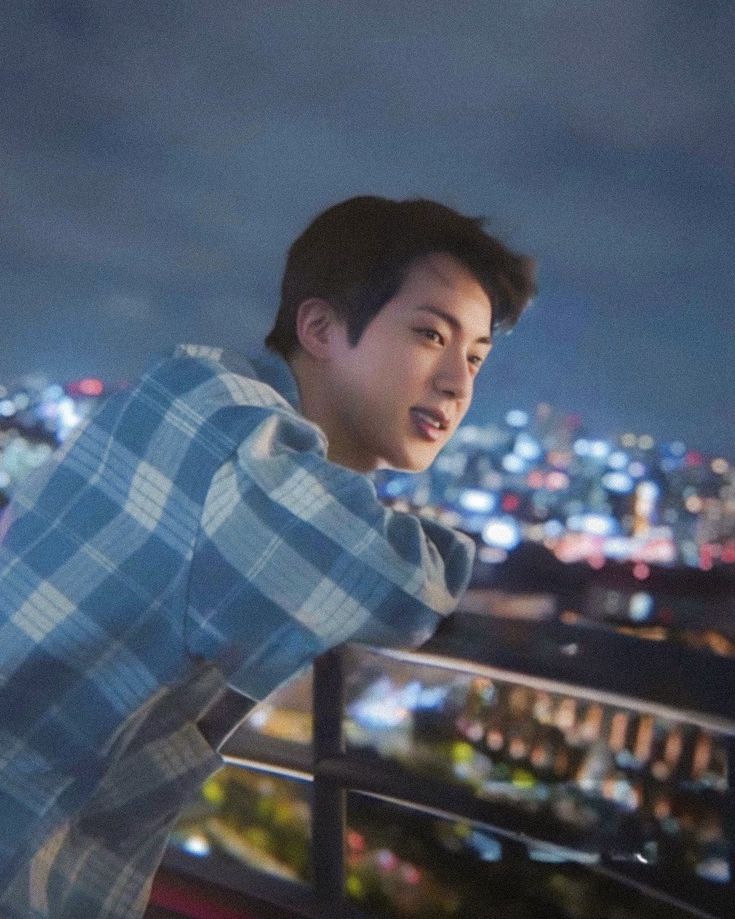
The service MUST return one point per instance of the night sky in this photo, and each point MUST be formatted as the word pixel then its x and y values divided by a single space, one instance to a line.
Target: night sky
pixel 158 158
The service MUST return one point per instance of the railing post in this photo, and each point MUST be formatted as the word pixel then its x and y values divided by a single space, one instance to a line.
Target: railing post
pixel 329 805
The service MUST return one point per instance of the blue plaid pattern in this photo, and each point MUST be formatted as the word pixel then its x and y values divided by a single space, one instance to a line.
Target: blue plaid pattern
pixel 190 536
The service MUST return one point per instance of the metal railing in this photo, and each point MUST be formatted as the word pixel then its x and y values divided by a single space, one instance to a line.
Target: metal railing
pixel 617 672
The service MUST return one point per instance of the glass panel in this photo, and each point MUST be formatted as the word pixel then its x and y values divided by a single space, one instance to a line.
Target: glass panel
pixel 402 863
pixel 284 717
pixel 259 820
pixel 638 783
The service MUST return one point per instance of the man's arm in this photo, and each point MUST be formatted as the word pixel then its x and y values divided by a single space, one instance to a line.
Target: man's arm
pixel 296 554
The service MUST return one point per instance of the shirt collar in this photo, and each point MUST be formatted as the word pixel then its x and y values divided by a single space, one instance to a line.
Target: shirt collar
pixel 267 366
pixel 275 371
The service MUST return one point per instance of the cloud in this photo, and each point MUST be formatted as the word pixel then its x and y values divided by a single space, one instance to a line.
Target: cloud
pixel 156 165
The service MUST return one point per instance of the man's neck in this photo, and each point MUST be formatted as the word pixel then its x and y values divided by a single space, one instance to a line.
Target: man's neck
pixel 316 403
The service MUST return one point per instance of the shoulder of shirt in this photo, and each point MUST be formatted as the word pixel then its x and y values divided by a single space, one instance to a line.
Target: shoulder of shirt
pixel 264 381
pixel 228 359
pixel 244 378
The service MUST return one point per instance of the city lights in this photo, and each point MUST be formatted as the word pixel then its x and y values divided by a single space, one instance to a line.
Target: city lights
pixel 584 497
pixel 501 532
pixel 535 477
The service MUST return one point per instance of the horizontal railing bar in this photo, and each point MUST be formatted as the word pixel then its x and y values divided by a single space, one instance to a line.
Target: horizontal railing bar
pixel 697 719
pixel 546 684
pixel 592 656
pixel 277 769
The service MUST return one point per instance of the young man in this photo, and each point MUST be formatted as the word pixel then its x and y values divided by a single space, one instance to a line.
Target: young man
pixel 212 527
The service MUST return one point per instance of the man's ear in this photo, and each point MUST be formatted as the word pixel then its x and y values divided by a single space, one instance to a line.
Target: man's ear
pixel 316 321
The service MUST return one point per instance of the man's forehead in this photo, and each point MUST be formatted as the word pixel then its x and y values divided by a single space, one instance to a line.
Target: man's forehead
pixel 443 267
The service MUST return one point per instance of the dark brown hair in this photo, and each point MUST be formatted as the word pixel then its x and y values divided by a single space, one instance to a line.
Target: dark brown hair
pixel 355 255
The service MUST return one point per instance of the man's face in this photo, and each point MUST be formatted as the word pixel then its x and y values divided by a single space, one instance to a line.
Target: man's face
pixel 399 394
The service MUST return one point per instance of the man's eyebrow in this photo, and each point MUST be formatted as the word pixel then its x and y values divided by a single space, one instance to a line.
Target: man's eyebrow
pixel 453 322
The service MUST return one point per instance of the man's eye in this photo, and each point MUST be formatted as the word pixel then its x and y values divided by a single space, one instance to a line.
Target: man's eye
pixel 431 334
pixel 475 360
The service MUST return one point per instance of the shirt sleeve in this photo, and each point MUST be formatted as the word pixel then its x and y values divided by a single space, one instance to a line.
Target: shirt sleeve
pixel 297 554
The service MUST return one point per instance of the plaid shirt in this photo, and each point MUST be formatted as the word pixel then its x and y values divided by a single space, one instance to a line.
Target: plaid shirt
pixel 192 535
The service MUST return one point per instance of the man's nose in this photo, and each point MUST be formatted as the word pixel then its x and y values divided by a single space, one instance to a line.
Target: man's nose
pixel 454 378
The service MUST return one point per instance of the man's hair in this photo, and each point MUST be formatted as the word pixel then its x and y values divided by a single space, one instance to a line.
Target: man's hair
pixel 355 255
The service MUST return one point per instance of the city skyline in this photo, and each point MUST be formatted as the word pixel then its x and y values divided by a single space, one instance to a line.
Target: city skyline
pixel 157 167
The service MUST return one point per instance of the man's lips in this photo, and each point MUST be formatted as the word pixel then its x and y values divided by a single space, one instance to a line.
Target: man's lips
pixel 430 422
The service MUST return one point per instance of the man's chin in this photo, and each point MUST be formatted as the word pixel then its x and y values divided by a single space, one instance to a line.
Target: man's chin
pixel 413 463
